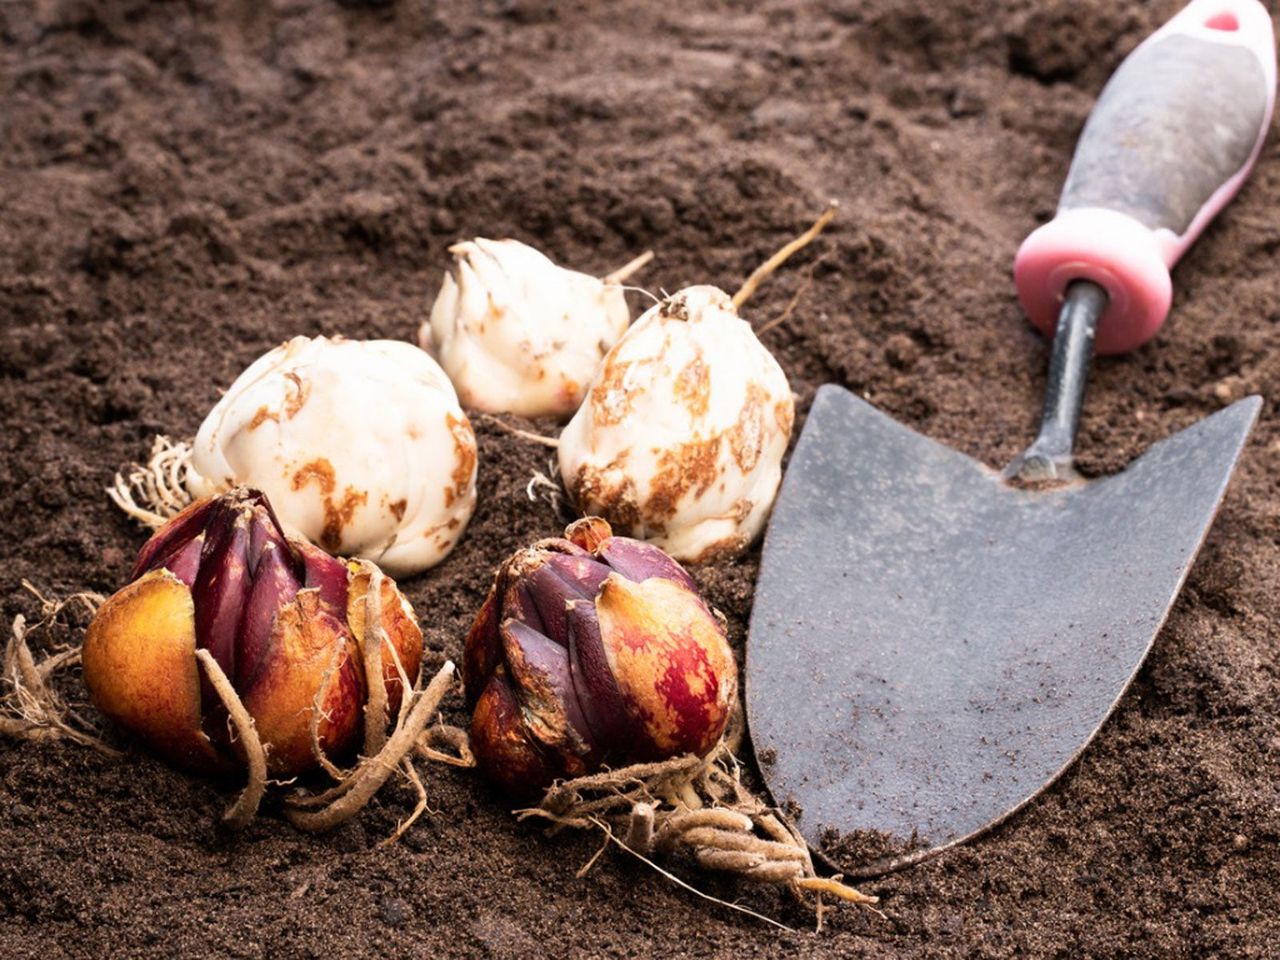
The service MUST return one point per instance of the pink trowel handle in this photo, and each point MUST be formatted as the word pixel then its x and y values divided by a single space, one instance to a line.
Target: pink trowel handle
pixel 1171 138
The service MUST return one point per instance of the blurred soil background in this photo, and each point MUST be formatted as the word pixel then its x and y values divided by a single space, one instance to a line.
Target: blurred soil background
pixel 185 184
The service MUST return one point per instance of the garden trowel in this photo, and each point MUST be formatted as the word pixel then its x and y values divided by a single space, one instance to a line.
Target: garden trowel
pixel 933 642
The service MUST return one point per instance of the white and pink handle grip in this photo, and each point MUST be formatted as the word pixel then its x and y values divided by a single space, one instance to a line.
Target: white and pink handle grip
pixel 1172 136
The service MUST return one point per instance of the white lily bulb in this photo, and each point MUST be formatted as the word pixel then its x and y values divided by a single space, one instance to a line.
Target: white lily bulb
pixel 681 437
pixel 360 445
pixel 518 334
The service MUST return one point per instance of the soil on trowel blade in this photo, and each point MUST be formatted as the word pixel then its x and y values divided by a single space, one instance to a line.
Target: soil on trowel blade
pixel 184 185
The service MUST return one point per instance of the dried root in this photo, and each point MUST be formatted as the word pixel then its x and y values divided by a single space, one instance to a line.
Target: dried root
pixel 542 485
pixel 411 774
pixel 696 805
pixel 383 754
pixel 529 435
pixel 240 813
pixel 545 487
pixel 766 269
pixel 796 297
pixel 375 638
pixel 30 708
pixel 629 269
pixel 447 744
pixel 156 491
pixel 317 714
pixel 315 813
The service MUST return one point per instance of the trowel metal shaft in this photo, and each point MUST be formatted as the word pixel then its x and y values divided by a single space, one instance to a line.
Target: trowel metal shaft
pixel 1050 456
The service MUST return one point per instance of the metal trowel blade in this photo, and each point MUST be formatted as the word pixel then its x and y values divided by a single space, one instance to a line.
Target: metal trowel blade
pixel 930 647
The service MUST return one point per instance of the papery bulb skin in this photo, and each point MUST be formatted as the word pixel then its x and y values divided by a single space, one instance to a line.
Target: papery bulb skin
pixel 593 649
pixel 588 533
pixel 680 439
pixel 282 619
pixel 361 446
pixel 314 664
pixel 518 334
pixel 398 622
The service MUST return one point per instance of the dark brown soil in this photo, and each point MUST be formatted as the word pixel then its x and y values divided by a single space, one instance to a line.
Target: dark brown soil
pixel 186 184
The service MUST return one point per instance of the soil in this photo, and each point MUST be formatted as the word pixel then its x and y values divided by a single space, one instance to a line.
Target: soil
pixel 186 184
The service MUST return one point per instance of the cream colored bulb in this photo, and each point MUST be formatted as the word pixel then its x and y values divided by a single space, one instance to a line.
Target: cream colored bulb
pixel 361 446
pixel 518 334
pixel 681 437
